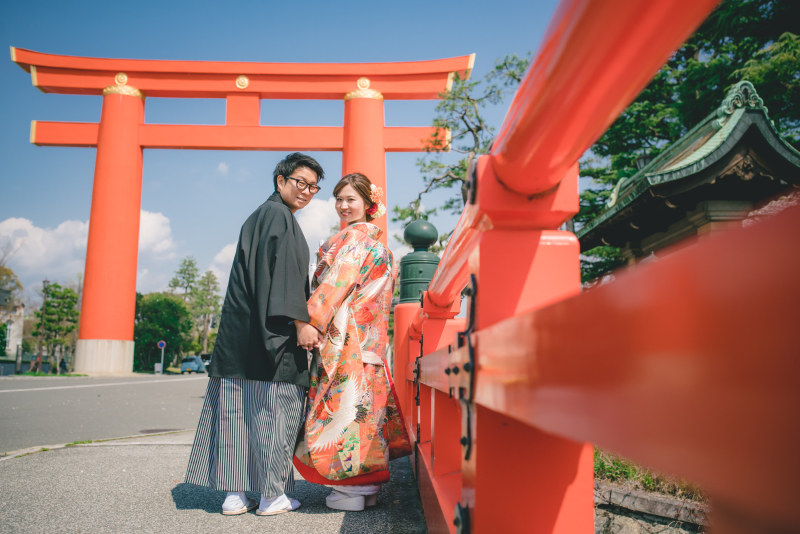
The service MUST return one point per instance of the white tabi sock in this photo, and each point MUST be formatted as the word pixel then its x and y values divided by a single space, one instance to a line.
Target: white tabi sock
pixel 273 504
pixel 236 500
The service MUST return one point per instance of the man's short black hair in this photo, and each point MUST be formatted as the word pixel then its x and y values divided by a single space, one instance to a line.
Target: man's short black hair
pixel 290 163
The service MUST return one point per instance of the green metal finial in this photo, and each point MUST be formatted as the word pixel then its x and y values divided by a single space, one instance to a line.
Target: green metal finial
pixel 420 234
pixel 417 268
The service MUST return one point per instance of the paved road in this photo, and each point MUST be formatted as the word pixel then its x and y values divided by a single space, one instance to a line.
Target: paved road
pixel 129 487
pixel 50 410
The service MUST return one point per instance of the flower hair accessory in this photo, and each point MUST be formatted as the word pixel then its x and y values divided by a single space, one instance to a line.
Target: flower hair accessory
pixel 377 209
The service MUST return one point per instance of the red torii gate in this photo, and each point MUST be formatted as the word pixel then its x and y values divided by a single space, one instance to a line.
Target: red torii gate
pixel 105 342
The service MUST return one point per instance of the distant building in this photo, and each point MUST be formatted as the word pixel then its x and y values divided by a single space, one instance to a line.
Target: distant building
pixel 14 318
pixel 733 164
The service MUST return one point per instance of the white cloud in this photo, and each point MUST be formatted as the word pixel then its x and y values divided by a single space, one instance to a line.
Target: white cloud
pixel 57 253
pixel 155 235
pixel 60 253
pixel 223 168
pixel 316 220
pixel 221 265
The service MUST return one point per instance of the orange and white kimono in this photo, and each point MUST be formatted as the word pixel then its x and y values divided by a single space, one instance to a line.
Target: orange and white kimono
pixel 353 422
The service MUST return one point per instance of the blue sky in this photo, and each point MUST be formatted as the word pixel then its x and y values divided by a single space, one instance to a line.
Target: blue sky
pixel 194 202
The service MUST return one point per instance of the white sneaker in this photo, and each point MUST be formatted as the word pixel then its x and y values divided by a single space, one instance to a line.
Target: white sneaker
pixel 237 503
pixel 277 505
pixel 338 500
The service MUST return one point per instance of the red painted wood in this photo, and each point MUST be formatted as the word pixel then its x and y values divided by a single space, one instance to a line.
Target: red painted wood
pixel 497 207
pixel 308 138
pixel 363 147
pixel 402 318
pixel 210 79
pixel 438 495
pixel 242 109
pixel 236 137
pixel 24 58
pixel 109 293
pixel 424 414
pixel 406 139
pixel 687 365
pixel 550 490
pixel 445 435
pixel 73 134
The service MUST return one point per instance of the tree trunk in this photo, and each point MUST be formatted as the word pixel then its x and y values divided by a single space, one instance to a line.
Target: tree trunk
pixel 206 324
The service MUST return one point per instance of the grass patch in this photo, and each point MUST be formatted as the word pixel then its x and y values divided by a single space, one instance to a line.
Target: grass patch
pixel 78 443
pixel 618 470
pixel 43 449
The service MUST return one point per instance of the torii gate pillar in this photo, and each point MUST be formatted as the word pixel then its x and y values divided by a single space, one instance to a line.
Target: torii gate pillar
pixel 363 148
pixel 105 343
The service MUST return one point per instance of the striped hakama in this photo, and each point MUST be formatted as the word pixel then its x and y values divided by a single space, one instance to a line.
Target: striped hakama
pixel 246 436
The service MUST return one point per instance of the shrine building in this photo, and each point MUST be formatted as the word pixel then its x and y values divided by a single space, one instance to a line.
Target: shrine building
pixel 731 164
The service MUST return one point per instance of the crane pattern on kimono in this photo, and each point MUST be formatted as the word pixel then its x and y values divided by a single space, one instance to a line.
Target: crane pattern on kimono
pixel 337 422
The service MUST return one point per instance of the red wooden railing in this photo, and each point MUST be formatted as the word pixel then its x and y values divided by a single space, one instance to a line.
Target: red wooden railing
pixel 688 365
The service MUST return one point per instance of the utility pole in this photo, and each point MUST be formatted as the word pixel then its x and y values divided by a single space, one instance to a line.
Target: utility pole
pixel 45 285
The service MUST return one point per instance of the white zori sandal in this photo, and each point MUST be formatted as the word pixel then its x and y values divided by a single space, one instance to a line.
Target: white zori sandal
pixel 277 505
pixel 353 498
pixel 237 503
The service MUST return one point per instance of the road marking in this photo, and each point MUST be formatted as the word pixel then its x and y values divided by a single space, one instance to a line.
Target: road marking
pixel 103 385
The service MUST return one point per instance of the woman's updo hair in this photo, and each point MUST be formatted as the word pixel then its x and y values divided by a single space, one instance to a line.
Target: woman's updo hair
pixel 361 184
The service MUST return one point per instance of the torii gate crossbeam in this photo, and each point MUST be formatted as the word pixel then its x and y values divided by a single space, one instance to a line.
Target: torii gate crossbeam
pixel 105 344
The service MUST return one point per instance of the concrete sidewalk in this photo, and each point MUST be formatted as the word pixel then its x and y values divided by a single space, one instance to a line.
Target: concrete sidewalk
pixel 136 485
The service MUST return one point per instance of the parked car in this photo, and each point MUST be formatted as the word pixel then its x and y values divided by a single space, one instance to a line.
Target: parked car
pixel 193 364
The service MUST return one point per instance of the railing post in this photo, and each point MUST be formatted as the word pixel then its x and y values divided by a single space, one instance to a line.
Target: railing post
pixel 403 382
pixel 416 270
pixel 545 482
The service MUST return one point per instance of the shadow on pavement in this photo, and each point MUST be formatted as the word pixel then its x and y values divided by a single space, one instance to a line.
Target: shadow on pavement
pixel 191 497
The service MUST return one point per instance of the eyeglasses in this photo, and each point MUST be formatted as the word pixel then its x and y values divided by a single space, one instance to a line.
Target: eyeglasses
pixel 302 185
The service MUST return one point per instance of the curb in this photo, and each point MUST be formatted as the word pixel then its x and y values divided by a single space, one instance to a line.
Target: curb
pixel 653 504
pixel 92 443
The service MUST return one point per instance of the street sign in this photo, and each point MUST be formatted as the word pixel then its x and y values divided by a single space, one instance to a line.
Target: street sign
pixel 160 367
pixel 157 369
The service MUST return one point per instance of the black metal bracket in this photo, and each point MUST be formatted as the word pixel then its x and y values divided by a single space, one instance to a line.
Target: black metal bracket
pixel 461 519
pixel 464 338
pixel 416 380
pixel 472 185
pixel 466 428
pixel 470 291
pixel 416 384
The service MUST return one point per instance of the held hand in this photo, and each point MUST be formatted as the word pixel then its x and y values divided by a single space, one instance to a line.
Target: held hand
pixel 307 335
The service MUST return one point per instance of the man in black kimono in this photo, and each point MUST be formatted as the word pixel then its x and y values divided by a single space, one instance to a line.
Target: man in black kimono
pixel 258 377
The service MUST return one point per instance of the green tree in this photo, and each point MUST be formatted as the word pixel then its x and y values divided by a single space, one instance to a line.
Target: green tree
pixel 741 40
pixel 205 305
pixel 159 316
pixel 3 339
pixel 57 318
pixel 460 110
pixel 8 279
pixel 185 278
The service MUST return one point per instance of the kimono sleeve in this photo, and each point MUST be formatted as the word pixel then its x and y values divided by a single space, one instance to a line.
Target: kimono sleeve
pixel 289 277
pixel 342 279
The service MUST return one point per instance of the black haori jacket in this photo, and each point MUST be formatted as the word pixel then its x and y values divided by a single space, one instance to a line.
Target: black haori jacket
pixel 268 288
